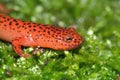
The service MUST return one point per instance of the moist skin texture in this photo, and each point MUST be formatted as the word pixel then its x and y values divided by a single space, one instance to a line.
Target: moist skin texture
pixel 24 33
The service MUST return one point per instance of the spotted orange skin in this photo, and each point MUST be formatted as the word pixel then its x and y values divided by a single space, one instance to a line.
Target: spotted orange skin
pixel 24 33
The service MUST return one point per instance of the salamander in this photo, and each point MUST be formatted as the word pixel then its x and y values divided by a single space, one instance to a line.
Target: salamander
pixel 25 33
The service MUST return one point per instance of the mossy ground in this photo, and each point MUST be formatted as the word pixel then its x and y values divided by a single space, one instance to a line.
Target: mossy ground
pixel 98 58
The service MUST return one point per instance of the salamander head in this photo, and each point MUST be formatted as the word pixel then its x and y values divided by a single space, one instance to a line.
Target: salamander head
pixel 66 39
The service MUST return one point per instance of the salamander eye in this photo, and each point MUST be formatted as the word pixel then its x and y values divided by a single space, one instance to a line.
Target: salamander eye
pixel 68 39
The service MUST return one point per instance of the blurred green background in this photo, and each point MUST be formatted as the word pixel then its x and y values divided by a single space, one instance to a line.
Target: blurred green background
pixel 98 58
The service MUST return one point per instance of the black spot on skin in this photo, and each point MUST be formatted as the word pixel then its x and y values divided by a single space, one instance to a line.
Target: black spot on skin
pixel 54 31
pixel 17 24
pixel 18 31
pixel 40 27
pixel 34 29
pixel 37 24
pixel 43 34
pixel 24 23
pixel 48 28
pixel 65 44
pixel 8 19
pixel 53 35
pixel 5 25
pixel 28 32
pixel 35 39
pixel 14 46
pixel 25 28
pixel 54 44
pixel 14 20
pixel 36 36
pixel 74 41
pixel 48 32
pixel 34 26
pixel 4 17
pixel 48 40
pixel 4 20
pixel 51 40
pixel 28 23
pixel 61 43
pixel 13 28
pixel 44 30
pixel 38 31
pixel 10 23
pixel 58 32
pixel 40 34
pixel 29 26
pixel 58 38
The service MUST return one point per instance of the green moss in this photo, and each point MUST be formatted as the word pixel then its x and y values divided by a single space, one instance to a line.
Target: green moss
pixel 98 58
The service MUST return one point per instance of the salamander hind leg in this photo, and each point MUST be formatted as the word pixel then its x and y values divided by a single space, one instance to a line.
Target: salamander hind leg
pixel 16 43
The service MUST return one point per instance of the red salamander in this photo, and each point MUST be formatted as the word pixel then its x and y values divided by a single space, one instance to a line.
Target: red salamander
pixel 24 33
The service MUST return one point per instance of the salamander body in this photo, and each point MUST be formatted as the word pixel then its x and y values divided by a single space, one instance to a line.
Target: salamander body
pixel 24 33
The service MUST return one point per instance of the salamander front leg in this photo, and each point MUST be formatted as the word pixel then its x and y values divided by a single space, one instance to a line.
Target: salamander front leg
pixel 16 43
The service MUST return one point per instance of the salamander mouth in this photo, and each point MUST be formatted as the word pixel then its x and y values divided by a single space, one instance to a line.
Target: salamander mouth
pixel 73 46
